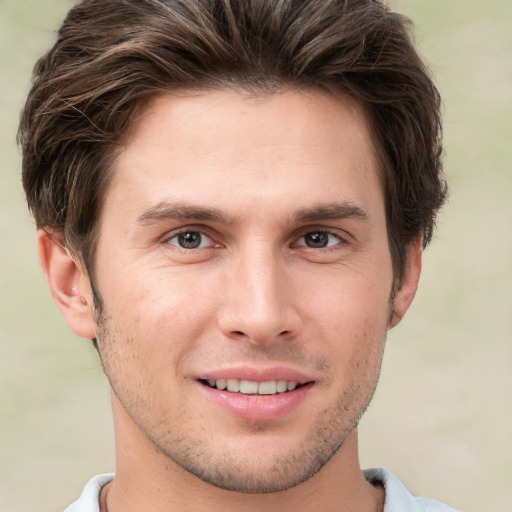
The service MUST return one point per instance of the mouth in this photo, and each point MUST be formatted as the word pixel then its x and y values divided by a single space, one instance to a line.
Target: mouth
pixel 254 395
pixel 251 387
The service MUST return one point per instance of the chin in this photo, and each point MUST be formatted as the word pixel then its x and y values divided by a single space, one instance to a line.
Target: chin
pixel 264 462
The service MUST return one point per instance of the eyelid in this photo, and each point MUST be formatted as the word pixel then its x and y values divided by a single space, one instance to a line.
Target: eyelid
pixel 342 236
pixel 166 239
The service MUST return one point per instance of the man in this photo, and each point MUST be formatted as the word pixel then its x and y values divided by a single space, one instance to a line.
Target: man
pixel 232 199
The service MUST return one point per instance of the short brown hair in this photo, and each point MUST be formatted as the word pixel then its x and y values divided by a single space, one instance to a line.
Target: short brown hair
pixel 111 55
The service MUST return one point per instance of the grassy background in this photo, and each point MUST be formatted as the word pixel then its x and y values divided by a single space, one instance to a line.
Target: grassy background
pixel 442 416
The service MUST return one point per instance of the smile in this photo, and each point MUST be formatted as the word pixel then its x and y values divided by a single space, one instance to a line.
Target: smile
pixel 256 394
pixel 249 387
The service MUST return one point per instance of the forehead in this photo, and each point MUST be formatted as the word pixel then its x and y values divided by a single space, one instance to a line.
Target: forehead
pixel 228 149
pixel 307 116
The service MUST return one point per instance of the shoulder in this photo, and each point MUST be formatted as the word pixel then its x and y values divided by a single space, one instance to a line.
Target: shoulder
pixel 89 499
pixel 398 498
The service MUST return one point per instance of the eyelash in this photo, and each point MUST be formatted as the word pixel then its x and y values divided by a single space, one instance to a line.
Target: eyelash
pixel 340 240
pixel 176 236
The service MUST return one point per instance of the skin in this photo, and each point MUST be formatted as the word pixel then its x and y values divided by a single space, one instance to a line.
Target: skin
pixel 256 180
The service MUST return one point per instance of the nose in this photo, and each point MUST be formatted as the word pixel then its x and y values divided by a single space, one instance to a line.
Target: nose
pixel 258 299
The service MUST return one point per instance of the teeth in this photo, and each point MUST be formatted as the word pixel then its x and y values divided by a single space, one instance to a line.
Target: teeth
pixel 249 387
pixel 267 388
pixel 233 385
pixel 290 386
pixel 281 386
pixel 221 384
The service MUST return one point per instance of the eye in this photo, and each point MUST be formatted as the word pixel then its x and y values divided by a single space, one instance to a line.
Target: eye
pixel 190 240
pixel 319 239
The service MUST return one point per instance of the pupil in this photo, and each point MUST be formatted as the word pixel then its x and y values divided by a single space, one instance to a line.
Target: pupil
pixel 317 239
pixel 190 239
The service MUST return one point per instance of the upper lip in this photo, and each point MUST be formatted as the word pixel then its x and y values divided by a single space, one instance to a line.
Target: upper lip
pixel 257 374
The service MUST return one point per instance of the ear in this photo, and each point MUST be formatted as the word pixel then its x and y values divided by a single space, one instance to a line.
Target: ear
pixel 406 288
pixel 68 282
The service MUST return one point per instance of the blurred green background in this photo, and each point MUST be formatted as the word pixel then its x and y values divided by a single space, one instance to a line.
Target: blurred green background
pixel 442 416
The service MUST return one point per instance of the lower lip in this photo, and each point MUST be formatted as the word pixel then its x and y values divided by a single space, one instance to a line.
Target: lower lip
pixel 257 407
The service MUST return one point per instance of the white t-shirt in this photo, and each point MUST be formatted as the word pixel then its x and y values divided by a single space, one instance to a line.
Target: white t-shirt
pixel 398 498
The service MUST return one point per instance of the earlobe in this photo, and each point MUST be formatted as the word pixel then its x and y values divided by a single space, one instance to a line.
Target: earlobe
pixel 405 292
pixel 68 282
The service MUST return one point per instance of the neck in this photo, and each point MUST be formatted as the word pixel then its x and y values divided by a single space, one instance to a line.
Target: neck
pixel 148 480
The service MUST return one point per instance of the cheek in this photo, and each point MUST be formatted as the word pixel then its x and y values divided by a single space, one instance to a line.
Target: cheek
pixel 351 299
pixel 163 310
pixel 352 315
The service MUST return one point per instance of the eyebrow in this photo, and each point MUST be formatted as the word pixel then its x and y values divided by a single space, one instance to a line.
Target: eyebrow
pixel 177 211
pixel 166 210
pixel 333 211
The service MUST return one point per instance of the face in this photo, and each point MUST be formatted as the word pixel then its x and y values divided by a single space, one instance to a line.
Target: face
pixel 245 273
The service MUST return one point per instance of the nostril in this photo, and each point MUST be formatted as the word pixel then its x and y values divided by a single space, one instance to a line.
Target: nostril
pixel 283 333
pixel 239 333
